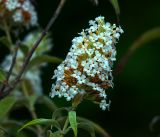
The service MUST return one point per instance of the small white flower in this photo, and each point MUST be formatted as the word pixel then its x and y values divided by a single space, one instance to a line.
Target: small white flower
pixel 26 5
pixel 12 4
pixel 100 18
pixel 17 16
pixel 103 104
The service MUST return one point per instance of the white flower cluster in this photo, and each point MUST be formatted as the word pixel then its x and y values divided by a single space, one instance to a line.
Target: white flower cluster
pixel 21 11
pixel 87 68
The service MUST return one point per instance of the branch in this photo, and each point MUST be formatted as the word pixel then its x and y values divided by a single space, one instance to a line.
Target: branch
pixel 13 60
pixel 96 126
pixel 143 39
pixel 29 55
pixel 95 2
pixel 11 67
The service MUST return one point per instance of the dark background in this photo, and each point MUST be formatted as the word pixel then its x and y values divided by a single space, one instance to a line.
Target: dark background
pixel 136 94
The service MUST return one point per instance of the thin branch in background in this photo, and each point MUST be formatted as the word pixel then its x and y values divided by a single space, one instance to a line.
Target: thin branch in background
pixel 154 126
pixel 7 31
pixel 95 2
pixel 11 67
pixel 13 61
pixel 43 34
pixel 11 123
pixel 98 129
pixel 143 39
pixel 4 132
pixel 29 55
pixel 115 5
pixel 96 126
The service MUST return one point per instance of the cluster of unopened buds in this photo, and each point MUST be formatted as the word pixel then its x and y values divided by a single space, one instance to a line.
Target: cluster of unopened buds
pixel 87 69
pixel 18 12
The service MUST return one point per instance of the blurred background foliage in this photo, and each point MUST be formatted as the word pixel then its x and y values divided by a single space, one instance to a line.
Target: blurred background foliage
pixel 136 94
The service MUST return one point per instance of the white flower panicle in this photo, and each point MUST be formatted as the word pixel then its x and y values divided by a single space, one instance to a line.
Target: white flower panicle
pixel 87 68
pixel 20 11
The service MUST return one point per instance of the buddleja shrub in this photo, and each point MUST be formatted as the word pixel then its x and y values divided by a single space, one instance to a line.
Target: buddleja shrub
pixel 85 73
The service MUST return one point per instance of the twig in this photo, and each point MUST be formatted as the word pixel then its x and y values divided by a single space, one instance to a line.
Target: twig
pixel 4 131
pixel 65 125
pixel 7 31
pixel 143 39
pixel 31 109
pixel 13 60
pixel 29 55
pixel 39 128
pixel 96 126
pixel 43 34
pixel 12 123
pixel 11 67
pixel 98 129
pixel 47 102
pixel 95 2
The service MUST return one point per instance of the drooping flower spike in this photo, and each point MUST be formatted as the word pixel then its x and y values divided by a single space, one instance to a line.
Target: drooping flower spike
pixel 87 69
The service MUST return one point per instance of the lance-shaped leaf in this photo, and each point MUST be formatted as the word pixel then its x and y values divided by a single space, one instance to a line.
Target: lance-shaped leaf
pixel 115 6
pixel 146 37
pixel 55 134
pixel 41 121
pixel 43 59
pixel 73 121
pixel 5 106
pixel 28 88
pixel 2 75
pixel 95 2
pixel 5 41
pixel 88 127
pixel 97 128
pixel 58 112
pixel 24 48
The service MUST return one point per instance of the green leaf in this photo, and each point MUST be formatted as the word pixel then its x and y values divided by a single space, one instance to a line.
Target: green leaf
pixel 47 102
pixel 2 132
pixel 43 59
pixel 5 105
pixel 97 128
pixel 148 36
pixel 22 134
pixel 115 6
pixel 4 41
pixel 58 112
pixel 32 100
pixel 41 121
pixel 2 75
pixel 88 127
pixel 73 122
pixel 55 134
pixel 49 132
pixel 24 48
pixel 95 2
pixel 31 94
